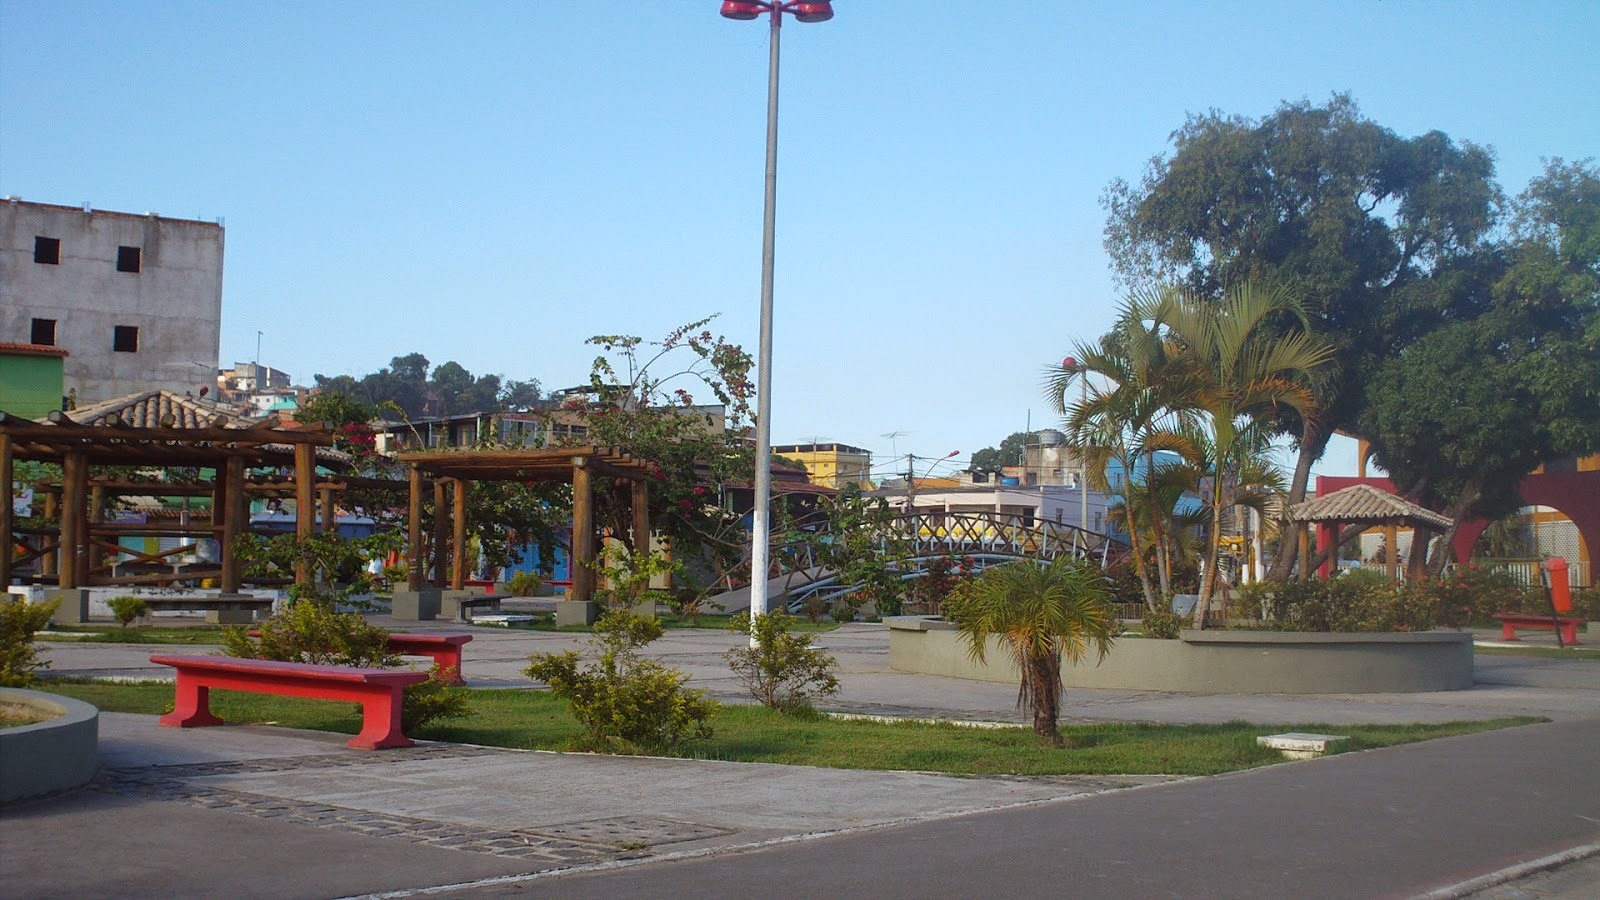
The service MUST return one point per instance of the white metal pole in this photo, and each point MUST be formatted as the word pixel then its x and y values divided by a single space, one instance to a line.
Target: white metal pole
pixel 761 526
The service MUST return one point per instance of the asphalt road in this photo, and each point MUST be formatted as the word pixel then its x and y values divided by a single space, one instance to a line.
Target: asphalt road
pixel 1399 822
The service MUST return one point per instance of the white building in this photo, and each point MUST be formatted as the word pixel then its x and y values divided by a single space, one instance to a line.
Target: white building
pixel 136 300
pixel 1058 504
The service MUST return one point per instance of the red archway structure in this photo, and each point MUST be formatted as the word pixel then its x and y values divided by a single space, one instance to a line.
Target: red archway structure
pixel 1575 494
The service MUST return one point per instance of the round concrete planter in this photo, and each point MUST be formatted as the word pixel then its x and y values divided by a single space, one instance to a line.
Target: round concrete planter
pixel 1216 662
pixel 59 753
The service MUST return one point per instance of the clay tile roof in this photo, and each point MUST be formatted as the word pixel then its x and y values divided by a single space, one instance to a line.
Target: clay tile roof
pixel 1363 503
pixel 149 408
pixel 14 349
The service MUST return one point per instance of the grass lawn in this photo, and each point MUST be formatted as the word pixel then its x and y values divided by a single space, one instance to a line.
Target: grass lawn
pixel 135 634
pixel 535 720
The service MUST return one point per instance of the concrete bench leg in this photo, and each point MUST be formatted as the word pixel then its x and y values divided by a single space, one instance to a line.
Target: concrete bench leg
pixel 380 723
pixel 1508 632
pixel 191 707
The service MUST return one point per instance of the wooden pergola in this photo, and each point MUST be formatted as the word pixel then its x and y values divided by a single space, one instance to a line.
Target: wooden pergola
pixel 455 470
pixel 1363 504
pixel 152 429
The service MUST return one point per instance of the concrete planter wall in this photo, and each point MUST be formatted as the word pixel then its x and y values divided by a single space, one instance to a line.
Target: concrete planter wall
pixel 1216 662
pixel 59 753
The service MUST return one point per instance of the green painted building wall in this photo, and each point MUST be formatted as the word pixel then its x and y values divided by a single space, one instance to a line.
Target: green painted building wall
pixel 30 384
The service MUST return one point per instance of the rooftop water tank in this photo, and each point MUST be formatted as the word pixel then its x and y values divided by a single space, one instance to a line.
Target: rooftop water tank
pixel 1049 437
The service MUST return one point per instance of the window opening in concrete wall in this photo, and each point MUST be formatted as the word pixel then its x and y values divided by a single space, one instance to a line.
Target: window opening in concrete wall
pixel 127 259
pixel 126 339
pixel 47 250
pixel 44 332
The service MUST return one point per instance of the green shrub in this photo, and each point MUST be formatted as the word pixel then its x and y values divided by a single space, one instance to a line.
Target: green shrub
pixel 525 584
pixel 1472 593
pixel 1163 624
pixel 431 700
pixel 127 608
pixel 1586 602
pixel 19 622
pixel 310 632
pixel 783 670
pixel 627 704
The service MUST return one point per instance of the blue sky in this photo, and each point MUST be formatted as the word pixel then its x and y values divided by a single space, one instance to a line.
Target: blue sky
pixel 494 182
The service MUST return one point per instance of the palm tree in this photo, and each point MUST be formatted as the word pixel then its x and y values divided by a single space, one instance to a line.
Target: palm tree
pixel 1238 366
pixel 1121 420
pixel 1042 613
pixel 1247 477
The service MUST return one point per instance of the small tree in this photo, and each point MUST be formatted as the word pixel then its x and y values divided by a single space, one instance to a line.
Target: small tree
pixel 128 608
pixel 628 575
pixel 1042 614
pixel 627 703
pixel 783 670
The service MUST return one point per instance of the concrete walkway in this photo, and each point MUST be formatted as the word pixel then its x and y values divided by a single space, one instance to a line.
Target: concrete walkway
pixel 262 811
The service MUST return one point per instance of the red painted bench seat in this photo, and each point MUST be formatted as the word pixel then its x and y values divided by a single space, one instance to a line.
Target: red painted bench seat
pixel 1509 623
pixel 378 691
pixel 443 649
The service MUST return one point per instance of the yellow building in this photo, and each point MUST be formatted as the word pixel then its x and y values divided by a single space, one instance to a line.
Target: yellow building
pixel 831 465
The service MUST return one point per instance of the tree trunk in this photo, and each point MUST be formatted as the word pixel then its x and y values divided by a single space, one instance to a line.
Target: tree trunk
pixel 1312 446
pixel 1045 674
pixel 1470 494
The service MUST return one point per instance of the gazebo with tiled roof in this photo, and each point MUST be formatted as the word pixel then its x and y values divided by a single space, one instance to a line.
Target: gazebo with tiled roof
pixel 1363 504
pixel 155 429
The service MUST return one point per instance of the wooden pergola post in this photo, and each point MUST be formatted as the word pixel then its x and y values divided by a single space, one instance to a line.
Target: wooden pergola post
pixel 1391 541
pixel 414 578
pixel 73 554
pixel 97 514
pixel 582 562
pixel 305 503
pixel 234 510
pixel 458 534
pixel 7 513
pixel 1305 549
pixel 640 507
pixel 52 509
pixel 330 520
pixel 441 523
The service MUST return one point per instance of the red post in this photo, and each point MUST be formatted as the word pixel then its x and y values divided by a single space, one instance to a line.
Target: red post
pixel 1560 587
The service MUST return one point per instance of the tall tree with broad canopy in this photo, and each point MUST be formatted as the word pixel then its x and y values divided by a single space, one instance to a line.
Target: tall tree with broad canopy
pixel 1460 417
pixel 1009 453
pixel 1343 212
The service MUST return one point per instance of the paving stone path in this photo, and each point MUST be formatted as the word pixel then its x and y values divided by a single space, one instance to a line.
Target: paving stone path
pixel 580 843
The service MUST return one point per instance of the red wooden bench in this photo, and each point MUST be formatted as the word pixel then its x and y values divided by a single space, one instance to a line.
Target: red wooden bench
pixel 377 690
pixel 443 649
pixel 1509 623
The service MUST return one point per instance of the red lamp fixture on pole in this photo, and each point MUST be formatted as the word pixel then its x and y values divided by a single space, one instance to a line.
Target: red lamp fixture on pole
pixel 761 523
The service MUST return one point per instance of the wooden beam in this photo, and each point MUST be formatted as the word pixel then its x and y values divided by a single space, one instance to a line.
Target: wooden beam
pixel 414 533
pixel 458 535
pixel 582 563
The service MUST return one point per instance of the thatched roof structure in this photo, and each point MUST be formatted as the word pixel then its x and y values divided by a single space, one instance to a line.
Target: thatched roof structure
pixel 1364 504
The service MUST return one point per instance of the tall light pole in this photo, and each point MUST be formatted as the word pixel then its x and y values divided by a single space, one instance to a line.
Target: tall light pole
pixel 761 525
pixel 1083 470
